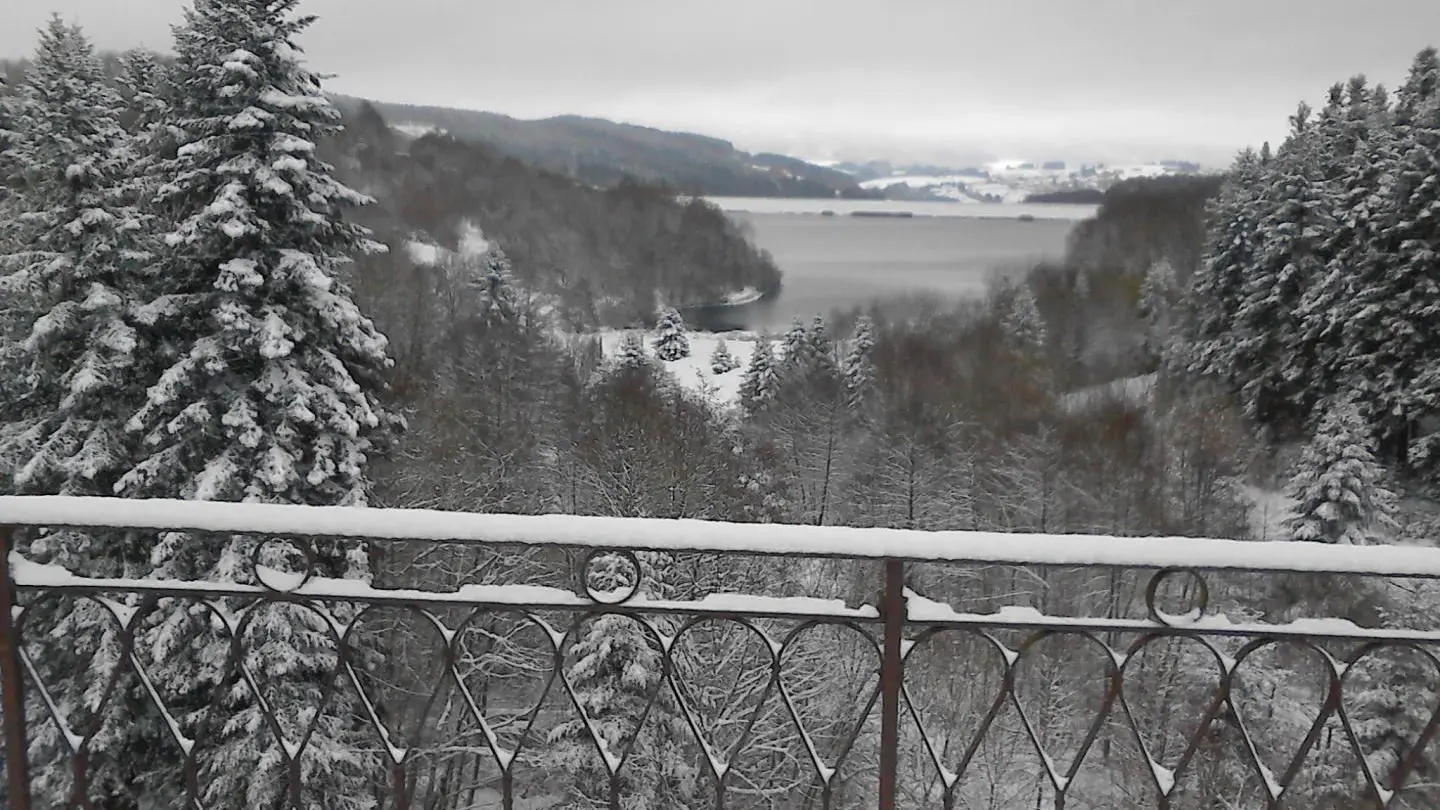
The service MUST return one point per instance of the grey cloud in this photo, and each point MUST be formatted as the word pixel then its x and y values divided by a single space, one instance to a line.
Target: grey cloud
pixel 1202 74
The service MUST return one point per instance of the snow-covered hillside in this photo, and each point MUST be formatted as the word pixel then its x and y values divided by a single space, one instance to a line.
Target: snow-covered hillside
pixel 694 372
pixel 473 244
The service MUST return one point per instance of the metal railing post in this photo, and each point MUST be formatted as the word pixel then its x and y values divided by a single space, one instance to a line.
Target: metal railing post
pixel 12 701
pixel 892 678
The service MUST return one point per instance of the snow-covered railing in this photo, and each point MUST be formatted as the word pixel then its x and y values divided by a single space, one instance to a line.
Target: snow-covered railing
pixel 636 534
pixel 1118 627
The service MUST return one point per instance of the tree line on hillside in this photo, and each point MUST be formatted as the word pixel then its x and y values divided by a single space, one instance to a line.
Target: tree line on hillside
pixel 603 257
pixel 603 153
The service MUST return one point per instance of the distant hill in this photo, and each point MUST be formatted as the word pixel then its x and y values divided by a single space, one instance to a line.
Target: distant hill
pixel 602 256
pixel 604 153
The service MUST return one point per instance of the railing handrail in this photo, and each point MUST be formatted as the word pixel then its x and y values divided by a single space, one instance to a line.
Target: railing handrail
pixel 655 534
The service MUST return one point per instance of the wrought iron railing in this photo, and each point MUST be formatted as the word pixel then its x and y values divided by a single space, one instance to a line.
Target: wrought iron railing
pixel 530 662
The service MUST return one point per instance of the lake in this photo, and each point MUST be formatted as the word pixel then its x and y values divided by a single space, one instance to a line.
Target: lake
pixel 947 250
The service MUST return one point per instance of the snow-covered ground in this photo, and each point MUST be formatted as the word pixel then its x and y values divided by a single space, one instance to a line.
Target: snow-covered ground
pixel 1139 170
pixel 694 372
pixel 748 295
pixel 1268 511
pixel 413 130
pixel 924 181
pixel 424 253
pixel 472 244
pixel 1129 389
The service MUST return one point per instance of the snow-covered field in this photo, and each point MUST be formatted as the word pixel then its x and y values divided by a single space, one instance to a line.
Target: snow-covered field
pixel 1133 390
pixel 472 244
pixel 923 181
pixel 694 372
pixel 414 130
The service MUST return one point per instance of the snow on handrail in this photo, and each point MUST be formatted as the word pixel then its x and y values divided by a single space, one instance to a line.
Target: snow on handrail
pixel 919 610
pixel 653 534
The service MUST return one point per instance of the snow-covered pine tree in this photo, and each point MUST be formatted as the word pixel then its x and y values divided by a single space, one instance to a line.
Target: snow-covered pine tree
pixel 1159 294
pixel 821 347
pixel 77 279
pixel 1216 287
pixel 1276 385
pixel 631 353
pixel 1329 136
pixel 74 366
pixel 12 316
pixel 10 239
pixel 795 345
pixel 496 285
pixel 9 137
pixel 1420 91
pixel 671 342
pixel 1337 312
pixel 859 366
pixel 147 85
pixel 1024 326
pixel 721 360
pixel 270 391
pixel 1398 356
pixel 1337 485
pixel 615 668
pixel 758 386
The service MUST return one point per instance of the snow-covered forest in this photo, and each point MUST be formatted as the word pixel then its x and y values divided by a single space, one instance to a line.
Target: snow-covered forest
pixel 191 307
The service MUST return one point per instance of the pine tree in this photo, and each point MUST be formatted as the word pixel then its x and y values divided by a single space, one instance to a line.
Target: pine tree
pixel 1391 334
pixel 1277 385
pixel 1024 326
pixel 1159 293
pixel 1216 288
pixel 758 387
pixel 817 338
pixel 270 390
pixel 795 345
pixel 616 667
pixel 78 277
pixel 9 164
pixel 11 239
pixel 1337 312
pixel 671 343
pixel 1329 131
pixel 496 286
pixel 1337 484
pixel 721 360
pixel 71 359
pixel 1420 91
pixel 859 367
pixel 147 84
pixel 632 352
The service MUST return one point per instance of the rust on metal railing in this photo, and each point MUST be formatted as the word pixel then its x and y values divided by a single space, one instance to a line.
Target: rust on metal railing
pixel 12 702
pixel 892 680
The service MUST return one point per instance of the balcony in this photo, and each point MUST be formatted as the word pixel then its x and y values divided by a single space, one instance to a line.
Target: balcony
pixel 558 661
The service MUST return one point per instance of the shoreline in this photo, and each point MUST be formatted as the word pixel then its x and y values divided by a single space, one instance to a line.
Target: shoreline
pixel 833 208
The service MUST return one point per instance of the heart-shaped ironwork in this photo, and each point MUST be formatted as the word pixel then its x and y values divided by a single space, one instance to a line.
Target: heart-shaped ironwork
pixel 973 649
pixel 828 736
pixel 1061 771
pixel 721 697
pixel 1169 665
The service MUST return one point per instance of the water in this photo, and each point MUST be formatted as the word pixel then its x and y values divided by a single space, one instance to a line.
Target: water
pixel 839 262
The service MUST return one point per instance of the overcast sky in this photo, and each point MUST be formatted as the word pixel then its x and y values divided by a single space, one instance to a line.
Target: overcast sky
pixel 908 78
